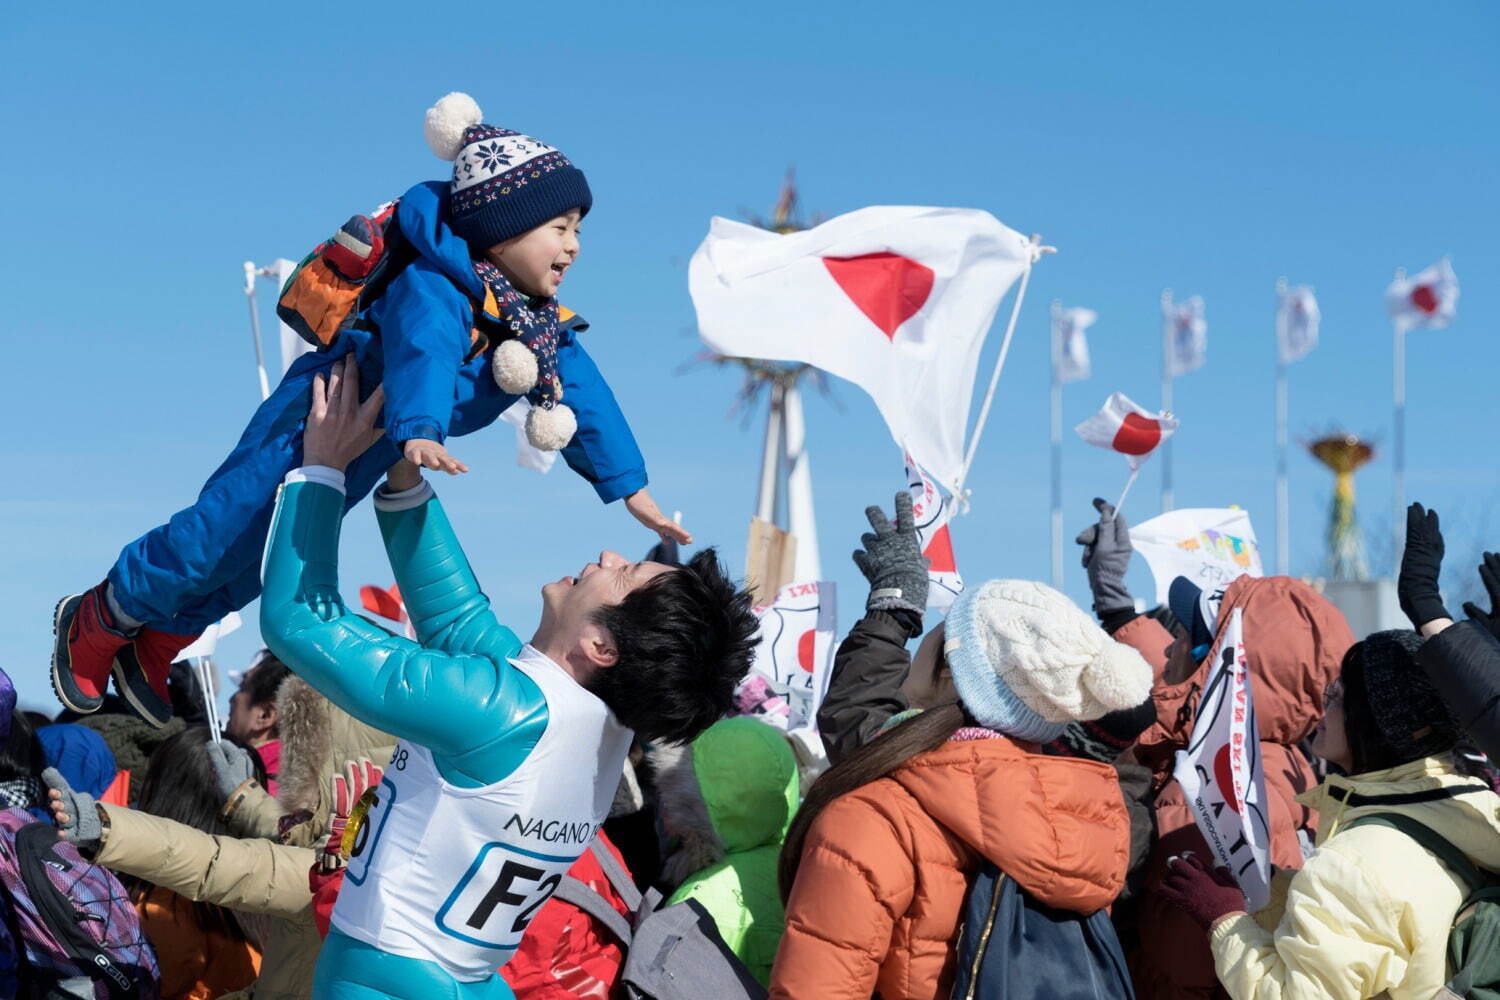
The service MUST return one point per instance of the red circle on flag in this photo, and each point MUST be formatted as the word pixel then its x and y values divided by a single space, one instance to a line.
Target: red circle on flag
pixel 1224 776
pixel 1137 435
pixel 1424 297
pixel 805 646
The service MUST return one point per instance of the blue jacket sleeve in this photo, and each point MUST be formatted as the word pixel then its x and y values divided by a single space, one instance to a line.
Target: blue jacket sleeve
pixel 424 323
pixel 604 450
pixel 477 713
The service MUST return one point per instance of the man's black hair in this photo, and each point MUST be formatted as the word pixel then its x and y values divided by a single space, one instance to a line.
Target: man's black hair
pixel 262 681
pixel 685 641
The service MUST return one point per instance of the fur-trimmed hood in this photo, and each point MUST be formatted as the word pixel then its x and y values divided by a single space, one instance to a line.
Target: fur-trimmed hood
pixel 318 739
pixel 733 789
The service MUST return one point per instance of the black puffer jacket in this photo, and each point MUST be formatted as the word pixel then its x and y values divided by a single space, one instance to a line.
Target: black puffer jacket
pixel 865 690
pixel 1463 662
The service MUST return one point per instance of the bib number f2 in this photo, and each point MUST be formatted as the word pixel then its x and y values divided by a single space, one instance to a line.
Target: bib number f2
pixel 500 894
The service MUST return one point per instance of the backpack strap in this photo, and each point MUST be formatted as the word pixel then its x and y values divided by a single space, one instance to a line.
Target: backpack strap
pixel 618 876
pixel 1456 861
pixel 570 890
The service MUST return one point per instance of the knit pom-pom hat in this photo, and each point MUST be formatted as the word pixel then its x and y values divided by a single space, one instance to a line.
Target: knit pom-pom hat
pixel 1027 661
pixel 504 183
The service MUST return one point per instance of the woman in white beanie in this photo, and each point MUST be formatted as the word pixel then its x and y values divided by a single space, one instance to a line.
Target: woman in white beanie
pixel 877 863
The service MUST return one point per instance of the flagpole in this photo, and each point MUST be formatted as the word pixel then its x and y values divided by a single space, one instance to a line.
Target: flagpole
pixel 989 397
pixel 1134 471
pixel 771 460
pixel 1398 511
pixel 260 357
pixel 1166 398
pixel 1283 499
pixel 1057 535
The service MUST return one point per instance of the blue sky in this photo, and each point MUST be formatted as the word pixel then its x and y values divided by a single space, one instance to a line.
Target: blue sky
pixel 1209 148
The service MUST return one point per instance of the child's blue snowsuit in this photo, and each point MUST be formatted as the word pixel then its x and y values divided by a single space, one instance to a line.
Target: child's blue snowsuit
pixel 186 574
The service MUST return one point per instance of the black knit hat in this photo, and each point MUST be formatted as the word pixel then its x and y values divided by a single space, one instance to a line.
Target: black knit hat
pixel 1411 716
pixel 1105 738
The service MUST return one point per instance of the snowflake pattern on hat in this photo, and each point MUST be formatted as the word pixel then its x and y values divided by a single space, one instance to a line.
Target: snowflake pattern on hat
pixel 494 161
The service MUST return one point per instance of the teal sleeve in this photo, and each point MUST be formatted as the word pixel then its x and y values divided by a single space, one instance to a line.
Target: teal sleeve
pixel 475 711
pixel 443 600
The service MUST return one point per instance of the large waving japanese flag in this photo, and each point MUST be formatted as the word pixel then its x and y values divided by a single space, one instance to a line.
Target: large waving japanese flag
pixel 1428 300
pixel 895 299
pixel 1131 430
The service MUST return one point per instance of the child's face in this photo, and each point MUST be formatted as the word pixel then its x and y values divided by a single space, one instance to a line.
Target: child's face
pixel 535 262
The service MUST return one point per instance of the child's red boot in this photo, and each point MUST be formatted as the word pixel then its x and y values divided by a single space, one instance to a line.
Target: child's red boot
pixel 86 642
pixel 141 670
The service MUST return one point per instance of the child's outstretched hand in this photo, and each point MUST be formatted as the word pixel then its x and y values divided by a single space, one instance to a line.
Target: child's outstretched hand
pixel 644 510
pixel 431 455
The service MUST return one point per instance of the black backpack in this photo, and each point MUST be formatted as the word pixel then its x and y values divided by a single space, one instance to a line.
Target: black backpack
pixel 1011 947
pixel 674 953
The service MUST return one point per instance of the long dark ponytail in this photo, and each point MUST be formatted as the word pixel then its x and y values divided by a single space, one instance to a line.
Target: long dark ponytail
pixel 871 762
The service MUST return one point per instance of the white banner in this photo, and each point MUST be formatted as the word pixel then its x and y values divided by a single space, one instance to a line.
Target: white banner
pixel 896 299
pixel 932 510
pixel 1297 318
pixel 798 635
pixel 1220 771
pixel 1187 335
pixel 1209 546
pixel 1070 343
pixel 206 643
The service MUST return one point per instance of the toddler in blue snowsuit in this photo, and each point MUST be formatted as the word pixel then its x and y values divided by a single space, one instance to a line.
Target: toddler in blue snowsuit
pixel 491 248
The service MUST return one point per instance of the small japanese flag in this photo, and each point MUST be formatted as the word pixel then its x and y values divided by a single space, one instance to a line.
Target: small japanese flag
pixel 932 510
pixel 1296 323
pixel 1129 429
pixel 1186 333
pixel 1070 344
pixel 389 605
pixel 1428 300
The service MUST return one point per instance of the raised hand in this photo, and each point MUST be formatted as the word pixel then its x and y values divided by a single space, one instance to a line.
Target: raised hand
pixel 1106 556
pixel 1489 574
pixel 1417 583
pixel 339 427
pixel 892 560
pixel 644 510
pixel 427 454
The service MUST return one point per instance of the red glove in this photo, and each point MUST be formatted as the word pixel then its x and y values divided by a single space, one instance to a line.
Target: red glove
pixel 1204 893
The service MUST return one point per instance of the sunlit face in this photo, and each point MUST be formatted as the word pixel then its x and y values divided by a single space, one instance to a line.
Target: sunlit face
pixel 255 724
pixel 929 683
pixel 1331 739
pixel 569 604
pixel 537 261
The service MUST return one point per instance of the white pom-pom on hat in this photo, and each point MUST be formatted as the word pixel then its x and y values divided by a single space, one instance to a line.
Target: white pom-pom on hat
pixel 551 430
pixel 514 367
pixel 446 122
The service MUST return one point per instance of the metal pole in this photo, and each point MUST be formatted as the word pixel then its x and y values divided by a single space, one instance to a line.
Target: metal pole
pixel 1166 396
pixel 260 357
pixel 1283 499
pixel 770 461
pixel 1057 522
pixel 801 521
pixel 1398 512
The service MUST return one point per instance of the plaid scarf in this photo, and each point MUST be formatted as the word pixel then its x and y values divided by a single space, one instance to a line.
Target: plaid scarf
pixel 20 793
pixel 534 323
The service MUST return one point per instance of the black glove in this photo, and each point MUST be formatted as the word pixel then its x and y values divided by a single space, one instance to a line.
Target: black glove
pixel 1417 583
pixel 1489 573
pixel 1106 555
pixel 892 560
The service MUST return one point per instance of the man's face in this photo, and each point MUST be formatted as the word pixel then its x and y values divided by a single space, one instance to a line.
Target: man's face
pixel 569 604
pixel 247 721
pixel 536 261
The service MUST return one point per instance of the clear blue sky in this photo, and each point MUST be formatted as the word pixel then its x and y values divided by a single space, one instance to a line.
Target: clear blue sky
pixel 153 148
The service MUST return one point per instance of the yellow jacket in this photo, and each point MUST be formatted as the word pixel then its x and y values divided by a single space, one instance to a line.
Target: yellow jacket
pixel 1369 914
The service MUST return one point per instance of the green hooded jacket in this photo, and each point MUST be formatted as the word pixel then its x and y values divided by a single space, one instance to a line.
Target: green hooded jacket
pixel 729 797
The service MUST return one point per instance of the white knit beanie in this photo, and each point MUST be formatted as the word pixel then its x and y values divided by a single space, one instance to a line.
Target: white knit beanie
pixel 1027 661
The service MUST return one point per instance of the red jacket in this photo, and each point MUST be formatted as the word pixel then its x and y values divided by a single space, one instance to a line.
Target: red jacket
pixel 564 954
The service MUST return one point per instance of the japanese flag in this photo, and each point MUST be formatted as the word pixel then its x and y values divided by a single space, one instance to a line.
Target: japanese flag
pixel 1428 300
pixel 389 605
pixel 1221 773
pixel 1186 333
pixel 1131 430
pixel 895 299
pixel 932 510
pixel 1297 319
pixel 789 676
pixel 206 643
pixel 1069 343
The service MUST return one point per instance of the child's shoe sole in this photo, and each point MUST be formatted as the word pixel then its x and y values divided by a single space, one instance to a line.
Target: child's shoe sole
pixel 131 682
pixel 63 685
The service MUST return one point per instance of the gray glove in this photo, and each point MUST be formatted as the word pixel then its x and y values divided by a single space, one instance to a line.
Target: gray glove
pixel 232 766
pixel 83 829
pixel 1106 555
pixel 892 560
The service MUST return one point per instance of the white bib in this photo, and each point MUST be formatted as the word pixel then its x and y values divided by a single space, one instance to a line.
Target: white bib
pixel 453 875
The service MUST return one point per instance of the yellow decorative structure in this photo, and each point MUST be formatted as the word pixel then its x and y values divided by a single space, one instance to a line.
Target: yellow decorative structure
pixel 1344 454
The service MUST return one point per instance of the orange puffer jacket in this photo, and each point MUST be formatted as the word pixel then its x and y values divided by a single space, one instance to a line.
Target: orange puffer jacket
pixel 1295 641
pixel 885 868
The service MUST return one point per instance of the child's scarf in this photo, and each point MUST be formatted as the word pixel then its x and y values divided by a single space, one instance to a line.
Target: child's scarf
pixel 534 323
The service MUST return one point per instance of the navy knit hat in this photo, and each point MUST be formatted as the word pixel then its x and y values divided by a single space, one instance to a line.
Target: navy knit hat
pixel 504 183
pixel 1184 598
